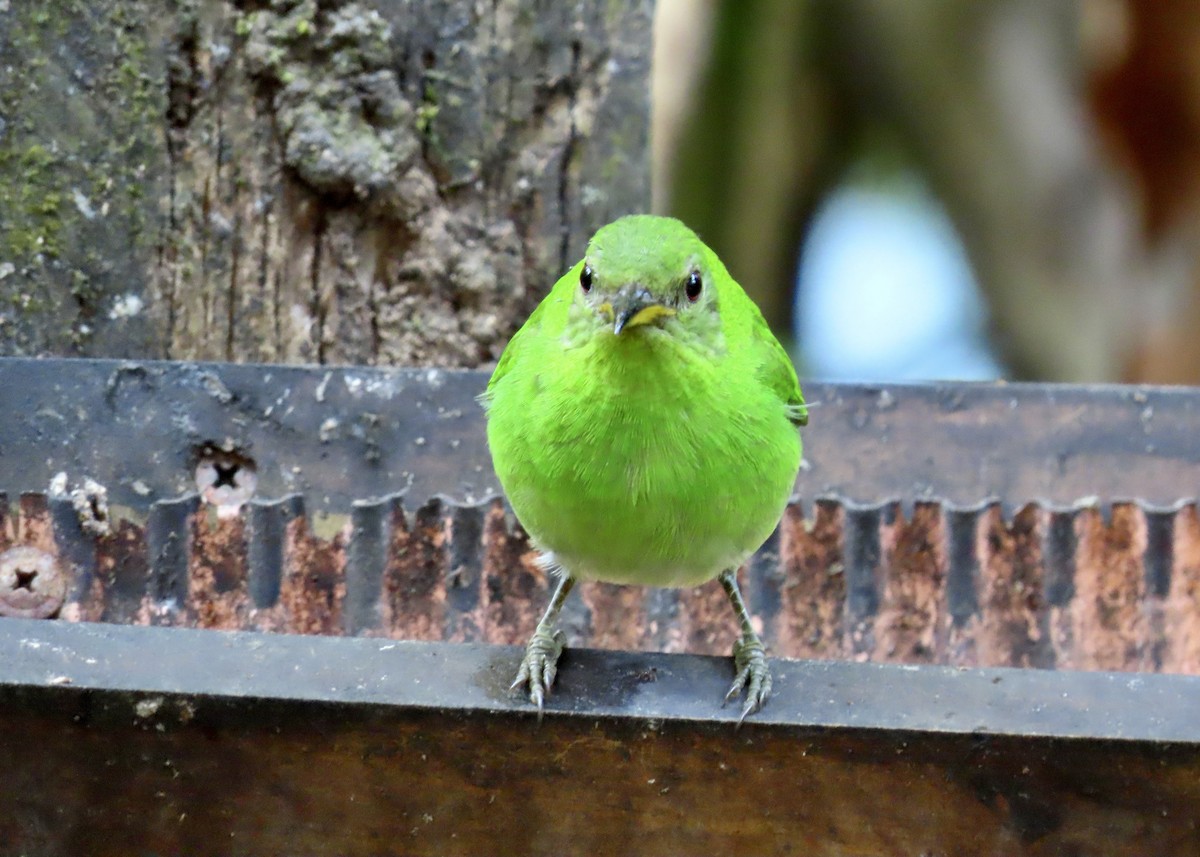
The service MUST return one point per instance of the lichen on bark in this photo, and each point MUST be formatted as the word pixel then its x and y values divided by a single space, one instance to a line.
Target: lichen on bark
pixel 80 132
pixel 340 180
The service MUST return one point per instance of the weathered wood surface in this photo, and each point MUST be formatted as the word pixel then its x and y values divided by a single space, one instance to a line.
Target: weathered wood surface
pixel 366 181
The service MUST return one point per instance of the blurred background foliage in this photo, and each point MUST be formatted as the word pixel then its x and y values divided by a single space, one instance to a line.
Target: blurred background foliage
pixel 928 189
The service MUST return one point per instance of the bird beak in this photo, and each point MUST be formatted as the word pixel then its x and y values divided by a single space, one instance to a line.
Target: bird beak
pixel 634 306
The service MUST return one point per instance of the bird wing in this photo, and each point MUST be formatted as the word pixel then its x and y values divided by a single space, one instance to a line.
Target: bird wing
pixel 776 369
pixel 510 353
pixel 522 337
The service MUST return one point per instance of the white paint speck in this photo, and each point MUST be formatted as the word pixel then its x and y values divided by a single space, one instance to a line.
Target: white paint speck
pixel 148 707
pixel 126 306
pixel 83 204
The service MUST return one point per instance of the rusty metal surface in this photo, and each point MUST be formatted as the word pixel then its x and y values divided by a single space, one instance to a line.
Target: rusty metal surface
pixel 267 744
pixel 361 502
pixel 958 525
pixel 1048 589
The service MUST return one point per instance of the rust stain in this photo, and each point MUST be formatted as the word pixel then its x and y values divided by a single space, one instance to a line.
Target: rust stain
pixel 1012 626
pixel 516 589
pixel 7 524
pixel 89 606
pixel 1011 608
pixel 706 623
pixel 414 585
pixel 218 595
pixel 618 617
pixel 34 527
pixel 122 573
pixel 1107 615
pixel 1181 611
pixel 812 613
pixel 312 590
pixel 913 622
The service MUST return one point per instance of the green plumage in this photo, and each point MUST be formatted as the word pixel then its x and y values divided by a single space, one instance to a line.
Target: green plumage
pixel 662 454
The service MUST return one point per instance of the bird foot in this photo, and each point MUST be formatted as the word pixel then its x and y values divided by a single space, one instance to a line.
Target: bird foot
pixel 753 674
pixel 540 664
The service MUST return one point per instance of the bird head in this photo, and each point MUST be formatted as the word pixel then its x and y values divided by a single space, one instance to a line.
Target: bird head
pixel 644 272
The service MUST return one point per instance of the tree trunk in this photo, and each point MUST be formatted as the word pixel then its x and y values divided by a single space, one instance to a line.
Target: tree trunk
pixel 307 180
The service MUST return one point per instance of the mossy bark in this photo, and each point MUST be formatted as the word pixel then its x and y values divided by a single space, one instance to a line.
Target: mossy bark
pixel 307 180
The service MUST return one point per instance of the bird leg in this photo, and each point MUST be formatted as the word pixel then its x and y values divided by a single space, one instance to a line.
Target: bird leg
pixel 540 664
pixel 749 653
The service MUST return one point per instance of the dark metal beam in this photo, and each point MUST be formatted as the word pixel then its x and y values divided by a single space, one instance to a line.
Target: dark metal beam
pixel 122 740
pixel 338 434
pixel 597 683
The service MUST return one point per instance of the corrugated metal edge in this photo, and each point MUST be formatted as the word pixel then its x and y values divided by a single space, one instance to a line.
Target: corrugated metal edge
pixel 1046 587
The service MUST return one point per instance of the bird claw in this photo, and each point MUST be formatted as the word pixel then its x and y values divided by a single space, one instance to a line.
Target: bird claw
pixel 540 665
pixel 753 674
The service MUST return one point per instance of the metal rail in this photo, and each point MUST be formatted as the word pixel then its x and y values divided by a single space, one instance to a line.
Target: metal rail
pixel 123 740
pixel 355 509
pixel 339 434
pixel 1020 525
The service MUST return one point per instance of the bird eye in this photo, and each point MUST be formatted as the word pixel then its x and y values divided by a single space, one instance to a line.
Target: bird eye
pixel 585 279
pixel 693 286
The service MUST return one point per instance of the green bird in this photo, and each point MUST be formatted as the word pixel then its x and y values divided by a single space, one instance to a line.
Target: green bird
pixel 643 425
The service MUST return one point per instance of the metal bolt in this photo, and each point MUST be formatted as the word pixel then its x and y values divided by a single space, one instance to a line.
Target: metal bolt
pixel 31 586
pixel 225 478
